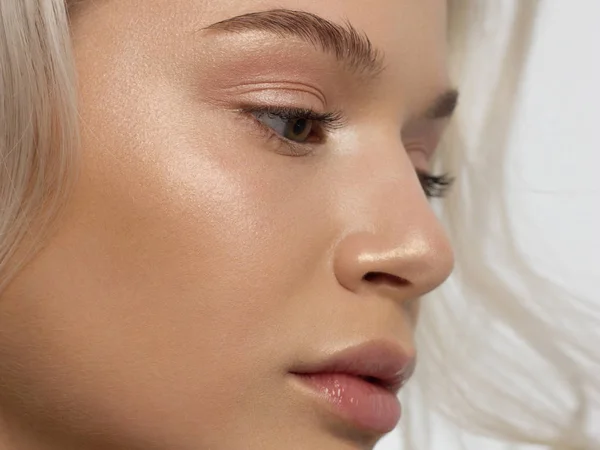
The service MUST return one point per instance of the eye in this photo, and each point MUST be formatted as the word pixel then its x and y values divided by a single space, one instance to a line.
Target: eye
pixel 435 186
pixel 295 129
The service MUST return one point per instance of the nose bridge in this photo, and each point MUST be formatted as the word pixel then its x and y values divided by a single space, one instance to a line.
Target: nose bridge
pixel 391 234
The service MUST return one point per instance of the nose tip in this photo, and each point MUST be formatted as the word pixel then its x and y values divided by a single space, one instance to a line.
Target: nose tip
pixel 404 265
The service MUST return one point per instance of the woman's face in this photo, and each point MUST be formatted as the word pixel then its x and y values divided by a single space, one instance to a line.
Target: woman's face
pixel 220 235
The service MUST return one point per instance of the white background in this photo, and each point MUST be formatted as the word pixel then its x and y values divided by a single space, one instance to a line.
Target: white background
pixel 555 153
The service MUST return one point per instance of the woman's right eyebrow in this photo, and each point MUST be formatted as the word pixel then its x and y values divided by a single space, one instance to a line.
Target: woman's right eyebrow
pixel 350 47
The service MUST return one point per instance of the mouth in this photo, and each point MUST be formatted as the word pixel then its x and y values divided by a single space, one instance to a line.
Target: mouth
pixel 388 385
pixel 360 385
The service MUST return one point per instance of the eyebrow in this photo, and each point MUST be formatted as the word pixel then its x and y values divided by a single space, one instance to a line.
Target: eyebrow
pixel 443 106
pixel 350 47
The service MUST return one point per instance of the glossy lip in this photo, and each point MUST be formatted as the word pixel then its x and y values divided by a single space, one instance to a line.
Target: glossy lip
pixel 360 384
pixel 381 363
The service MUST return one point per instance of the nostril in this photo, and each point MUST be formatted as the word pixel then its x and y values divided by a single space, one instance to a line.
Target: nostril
pixel 385 278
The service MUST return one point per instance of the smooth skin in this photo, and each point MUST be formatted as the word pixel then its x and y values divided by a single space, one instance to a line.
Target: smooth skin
pixel 199 258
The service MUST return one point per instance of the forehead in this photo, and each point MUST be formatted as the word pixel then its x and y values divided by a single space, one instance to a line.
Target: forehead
pixel 410 34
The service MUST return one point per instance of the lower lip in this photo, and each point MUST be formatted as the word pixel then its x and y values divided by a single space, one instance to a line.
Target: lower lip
pixel 366 405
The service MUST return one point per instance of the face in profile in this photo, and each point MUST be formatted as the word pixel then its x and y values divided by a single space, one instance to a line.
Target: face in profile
pixel 241 261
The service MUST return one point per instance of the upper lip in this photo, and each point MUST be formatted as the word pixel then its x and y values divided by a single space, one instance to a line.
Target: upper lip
pixel 382 363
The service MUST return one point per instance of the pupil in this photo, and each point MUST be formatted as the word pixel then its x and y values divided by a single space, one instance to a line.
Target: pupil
pixel 300 126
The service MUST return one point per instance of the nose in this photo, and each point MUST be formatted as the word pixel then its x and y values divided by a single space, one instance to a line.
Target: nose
pixel 393 244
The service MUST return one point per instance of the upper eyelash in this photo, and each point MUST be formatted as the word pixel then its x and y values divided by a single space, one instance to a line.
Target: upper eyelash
pixel 328 120
pixel 434 186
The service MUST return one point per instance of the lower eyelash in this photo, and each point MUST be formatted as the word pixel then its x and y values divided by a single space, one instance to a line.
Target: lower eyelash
pixel 283 145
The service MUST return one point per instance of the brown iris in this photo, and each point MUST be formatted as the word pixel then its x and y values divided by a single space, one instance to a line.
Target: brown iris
pixel 298 130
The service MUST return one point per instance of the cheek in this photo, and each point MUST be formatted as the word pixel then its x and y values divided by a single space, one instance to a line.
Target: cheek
pixel 182 244
pixel 172 260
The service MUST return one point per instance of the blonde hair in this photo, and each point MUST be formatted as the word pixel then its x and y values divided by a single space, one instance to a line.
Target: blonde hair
pixel 504 325
pixel 38 125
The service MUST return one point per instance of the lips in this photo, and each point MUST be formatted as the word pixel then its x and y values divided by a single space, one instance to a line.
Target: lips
pixel 378 363
pixel 360 384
